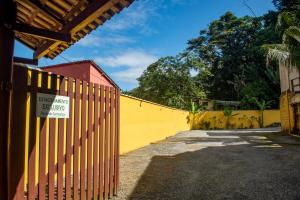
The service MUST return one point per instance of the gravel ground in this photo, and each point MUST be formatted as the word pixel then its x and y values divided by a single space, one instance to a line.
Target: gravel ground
pixel 238 164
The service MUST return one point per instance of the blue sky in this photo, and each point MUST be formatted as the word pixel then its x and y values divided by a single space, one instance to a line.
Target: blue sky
pixel 146 31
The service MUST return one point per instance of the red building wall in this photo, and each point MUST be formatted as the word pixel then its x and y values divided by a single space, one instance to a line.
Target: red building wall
pixel 97 77
pixel 83 70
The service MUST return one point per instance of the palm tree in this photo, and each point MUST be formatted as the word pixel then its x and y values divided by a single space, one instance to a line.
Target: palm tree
pixel 288 24
pixel 262 105
pixel 228 113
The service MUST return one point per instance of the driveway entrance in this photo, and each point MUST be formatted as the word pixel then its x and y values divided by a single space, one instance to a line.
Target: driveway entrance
pixel 237 164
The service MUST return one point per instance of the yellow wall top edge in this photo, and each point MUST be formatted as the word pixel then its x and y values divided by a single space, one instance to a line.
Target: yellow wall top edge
pixel 150 102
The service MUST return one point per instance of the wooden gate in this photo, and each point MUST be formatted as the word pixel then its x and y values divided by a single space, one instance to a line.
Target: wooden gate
pixel 74 158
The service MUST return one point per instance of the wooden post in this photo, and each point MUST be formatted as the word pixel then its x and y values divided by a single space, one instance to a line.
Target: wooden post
pixel 7 15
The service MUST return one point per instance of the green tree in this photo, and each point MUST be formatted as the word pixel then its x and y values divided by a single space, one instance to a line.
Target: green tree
pixel 230 62
pixel 168 81
pixel 287 53
pixel 230 49
pixel 228 114
pixel 262 106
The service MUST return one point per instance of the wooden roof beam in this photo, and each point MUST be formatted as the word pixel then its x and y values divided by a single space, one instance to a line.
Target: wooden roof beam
pixel 41 7
pixel 26 61
pixel 73 26
pixel 42 33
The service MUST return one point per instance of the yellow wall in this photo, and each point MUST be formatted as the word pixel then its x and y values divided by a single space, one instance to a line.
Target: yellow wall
pixel 286 113
pixel 144 122
pixel 240 119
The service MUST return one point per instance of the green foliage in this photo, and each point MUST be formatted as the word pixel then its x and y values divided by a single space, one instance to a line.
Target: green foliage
pixel 286 4
pixel 168 81
pixel 262 106
pixel 228 113
pixel 231 50
pixel 287 53
pixel 194 108
pixel 230 62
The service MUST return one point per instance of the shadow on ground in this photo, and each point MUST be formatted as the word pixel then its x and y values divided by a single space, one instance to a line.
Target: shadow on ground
pixel 243 165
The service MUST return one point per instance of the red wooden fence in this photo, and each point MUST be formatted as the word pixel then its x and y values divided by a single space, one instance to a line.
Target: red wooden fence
pixel 74 158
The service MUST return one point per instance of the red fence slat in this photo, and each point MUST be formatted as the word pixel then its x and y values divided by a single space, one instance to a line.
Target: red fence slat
pixel 32 138
pixel 69 140
pixel 106 173
pixel 101 145
pixel 83 143
pixel 90 140
pixel 96 143
pixel 118 145
pixel 111 145
pixel 42 151
pixel 51 163
pixel 60 156
pixel 117 134
pixel 76 139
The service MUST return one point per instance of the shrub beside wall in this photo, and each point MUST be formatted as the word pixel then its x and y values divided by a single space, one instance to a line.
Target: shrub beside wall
pixel 239 119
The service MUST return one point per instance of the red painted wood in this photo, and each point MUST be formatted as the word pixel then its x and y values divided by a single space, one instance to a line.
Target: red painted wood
pixel 118 141
pixel 42 151
pixel 96 143
pixel 111 141
pixel 101 145
pixel 17 136
pixel 76 140
pixel 69 140
pixel 7 38
pixel 83 143
pixel 90 142
pixel 51 163
pixel 100 176
pixel 106 163
pixel 32 138
pixel 60 156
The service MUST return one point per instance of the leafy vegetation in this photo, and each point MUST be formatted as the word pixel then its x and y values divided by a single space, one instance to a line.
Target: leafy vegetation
pixel 228 113
pixel 287 53
pixel 229 58
pixel 168 81
pixel 262 106
pixel 194 108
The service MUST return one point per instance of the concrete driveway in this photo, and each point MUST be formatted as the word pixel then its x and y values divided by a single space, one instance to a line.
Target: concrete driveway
pixel 237 164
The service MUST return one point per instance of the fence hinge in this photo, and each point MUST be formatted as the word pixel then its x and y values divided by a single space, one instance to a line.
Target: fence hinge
pixel 5 86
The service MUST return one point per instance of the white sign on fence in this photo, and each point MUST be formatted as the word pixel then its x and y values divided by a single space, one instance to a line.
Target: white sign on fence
pixel 52 106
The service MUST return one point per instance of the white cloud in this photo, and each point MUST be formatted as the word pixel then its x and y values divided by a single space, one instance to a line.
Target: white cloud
pixel 98 41
pixel 131 64
pixel 131 59
pixel 141 14
pixel 138 15
pixel 129 75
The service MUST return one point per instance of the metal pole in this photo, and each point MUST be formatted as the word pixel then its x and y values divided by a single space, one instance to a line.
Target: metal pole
pixel 7 16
